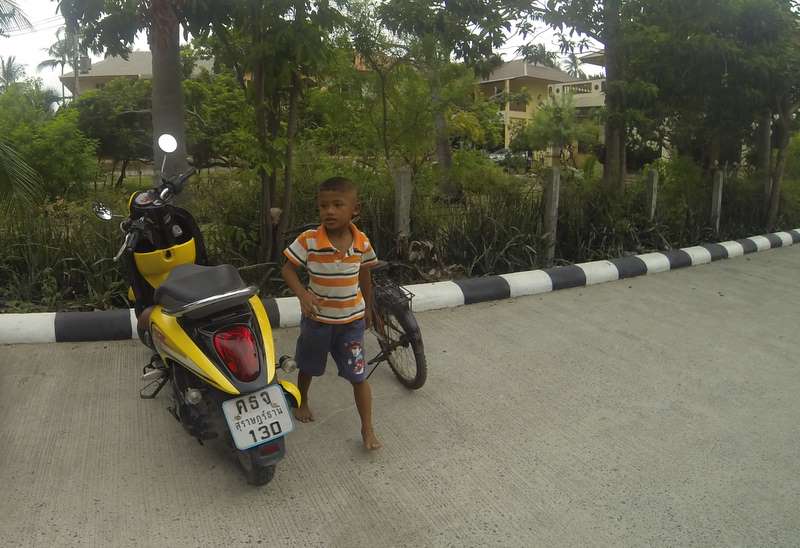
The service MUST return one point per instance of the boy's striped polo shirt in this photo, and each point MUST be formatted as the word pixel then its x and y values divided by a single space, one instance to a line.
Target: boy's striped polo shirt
pixel 333 274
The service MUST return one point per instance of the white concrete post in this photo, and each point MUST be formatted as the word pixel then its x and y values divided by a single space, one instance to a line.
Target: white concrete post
pixel 403 190
pixel 652 193
pixel 716 200
pixel 551 193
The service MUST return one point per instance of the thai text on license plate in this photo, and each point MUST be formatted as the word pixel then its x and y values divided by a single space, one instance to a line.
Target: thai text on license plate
pixel 259 417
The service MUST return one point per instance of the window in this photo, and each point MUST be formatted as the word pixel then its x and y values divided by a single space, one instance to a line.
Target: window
pixel 519 105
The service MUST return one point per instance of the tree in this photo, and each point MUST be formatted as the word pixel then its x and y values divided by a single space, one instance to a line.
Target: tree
pixel 117 118
pixel 51 144
pixel 784 95
pixel 20 184
pixel 739 70
pixel 111 27
pixel 555 125
pixel 59 52
pixel 573 66
pixel 282 44
pixel 10 71
pixel 575 23
pixel 435 34
pixel 219 121
pixel 12 17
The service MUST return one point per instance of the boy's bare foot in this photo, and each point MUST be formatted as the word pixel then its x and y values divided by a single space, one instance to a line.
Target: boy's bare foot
pixel 303 413
pixel 371 441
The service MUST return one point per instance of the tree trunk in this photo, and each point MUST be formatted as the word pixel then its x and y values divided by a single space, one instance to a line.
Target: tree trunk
pixel 552 190
pixel 775 190
pixel 167 109
pixel 382 76
pixel 122 173
pixel 714 150
pixel 447 187
pixel 113 170
pixel 764 155
pixel 265 217
pixel 401 175
pixel 274 127
pixel 614 166
pixel 291 129
pixel 403 191
pixel 784 122
pixel 72 30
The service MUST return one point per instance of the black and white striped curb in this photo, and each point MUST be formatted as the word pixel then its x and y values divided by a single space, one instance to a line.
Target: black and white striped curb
pixel 285 312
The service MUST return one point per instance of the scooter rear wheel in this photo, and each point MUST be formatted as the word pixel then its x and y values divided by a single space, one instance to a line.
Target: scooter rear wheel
pixel 256 474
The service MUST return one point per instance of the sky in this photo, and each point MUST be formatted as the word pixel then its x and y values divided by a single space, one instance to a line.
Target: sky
pixel 29 46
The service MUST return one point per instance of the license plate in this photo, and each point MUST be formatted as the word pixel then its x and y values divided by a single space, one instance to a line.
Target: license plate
pixel 259 417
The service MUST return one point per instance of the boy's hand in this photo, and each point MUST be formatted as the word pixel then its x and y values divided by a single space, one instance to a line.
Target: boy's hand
pixel 309 304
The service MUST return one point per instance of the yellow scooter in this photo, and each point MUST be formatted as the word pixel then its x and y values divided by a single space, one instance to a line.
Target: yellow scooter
pixel 210 332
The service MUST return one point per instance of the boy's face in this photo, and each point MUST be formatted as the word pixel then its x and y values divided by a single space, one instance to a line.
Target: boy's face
pixel 336 208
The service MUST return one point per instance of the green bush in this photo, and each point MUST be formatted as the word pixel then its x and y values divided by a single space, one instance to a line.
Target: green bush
pixel 225 205
pixel 50 143
pixel 63 156
pixel 58 256
pixel 477 174
pixel 595 224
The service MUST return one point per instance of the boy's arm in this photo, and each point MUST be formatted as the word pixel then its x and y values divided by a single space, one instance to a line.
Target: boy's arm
pixel 309 303
pixel 365 283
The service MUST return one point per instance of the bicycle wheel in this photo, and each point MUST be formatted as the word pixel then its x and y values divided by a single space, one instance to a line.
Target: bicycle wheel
pixel 401 340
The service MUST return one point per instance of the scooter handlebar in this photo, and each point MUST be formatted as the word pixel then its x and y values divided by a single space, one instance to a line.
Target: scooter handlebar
pixel 175 186
pixel 131 239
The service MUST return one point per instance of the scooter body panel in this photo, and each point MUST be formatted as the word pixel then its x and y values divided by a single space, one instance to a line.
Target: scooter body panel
pixel 173 343
pixel 266 335
pixel 155 266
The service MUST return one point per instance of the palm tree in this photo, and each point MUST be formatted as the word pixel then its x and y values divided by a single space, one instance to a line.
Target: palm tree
pixel 539 55
pixel 59 52
pixel 11 17
pixel 10 71
pixel 20 184
pixel 573 67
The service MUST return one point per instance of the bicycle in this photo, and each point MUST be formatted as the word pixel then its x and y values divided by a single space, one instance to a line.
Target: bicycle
pixel 397 330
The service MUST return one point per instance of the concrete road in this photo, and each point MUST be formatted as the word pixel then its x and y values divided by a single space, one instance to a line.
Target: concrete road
pixel 659 411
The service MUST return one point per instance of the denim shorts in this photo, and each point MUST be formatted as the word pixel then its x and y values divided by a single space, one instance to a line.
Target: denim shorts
pixel 344 342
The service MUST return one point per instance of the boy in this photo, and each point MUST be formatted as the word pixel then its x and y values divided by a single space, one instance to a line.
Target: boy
pixel 337 304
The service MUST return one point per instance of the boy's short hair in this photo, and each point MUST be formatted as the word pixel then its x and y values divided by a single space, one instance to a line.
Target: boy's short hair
pixel 338 184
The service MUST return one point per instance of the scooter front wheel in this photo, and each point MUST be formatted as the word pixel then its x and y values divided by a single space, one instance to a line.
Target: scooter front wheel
pixel 256 473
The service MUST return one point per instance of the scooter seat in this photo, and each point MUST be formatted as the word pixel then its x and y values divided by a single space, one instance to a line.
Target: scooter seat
pixel 190 283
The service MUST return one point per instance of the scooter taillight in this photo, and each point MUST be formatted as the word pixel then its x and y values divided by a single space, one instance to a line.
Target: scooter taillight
pixel 237 347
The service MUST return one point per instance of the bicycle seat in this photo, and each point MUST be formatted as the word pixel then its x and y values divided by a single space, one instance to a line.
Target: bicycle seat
pixel 190 283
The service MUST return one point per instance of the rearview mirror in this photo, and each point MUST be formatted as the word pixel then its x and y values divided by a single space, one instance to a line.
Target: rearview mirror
pixel 102 211
pixel 167 143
